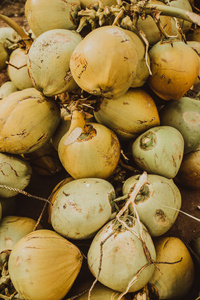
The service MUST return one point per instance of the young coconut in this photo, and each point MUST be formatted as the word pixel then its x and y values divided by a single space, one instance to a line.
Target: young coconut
pixel 27 121
pixel 18 70
pixel 7 88
pixel 175 274
pixel 12 229
pixel 44 265
pixel 49 52
pixel 149 27
pixel 100 292
pixel 45 160
pixel 105 62
pixel 174 66
pixel 57 187
pixel 129 115
pixel 118 258
pixel 184 115
pixel 194 35
pixel 88 149
pixel 48 61
pixel 143 67
pixel 185 5
pixel 189 172
pixel 15 173
pixel 19 34
pixel 8 37
pixel 81 207
pixel 159 150
pixel 4 56
pixel 196 46
pixel 157 203
pixel 40 13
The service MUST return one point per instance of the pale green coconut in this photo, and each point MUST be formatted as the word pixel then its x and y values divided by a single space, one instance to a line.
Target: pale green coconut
pixel 159 150
pixel 8 37
pixel 81 207
pixel 184 115
pixel 157 203
pixel 122 255
pixel 18 69
pixel 7 88
pixel 48 61
pixel 12 229
pixel 15 172
pixel 3 57
pixel 100 292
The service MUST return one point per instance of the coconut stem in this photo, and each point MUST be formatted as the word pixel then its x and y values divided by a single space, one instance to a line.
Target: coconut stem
pixel 118 14
pixel 121 198
pixel 77 125
pixel 25 37
pixel 142 181
pixel 172 12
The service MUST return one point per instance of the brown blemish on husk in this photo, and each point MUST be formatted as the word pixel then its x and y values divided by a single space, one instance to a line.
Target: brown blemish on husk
pixel 17 261
pixel 174 161
pixel 22 134
pixel 66 195
pixel 100 209
pixel 108 156
pixel 160 217
pixel 5 163
pixel 75 206
pixel 41 137
pixel 165 244
pixel 82 63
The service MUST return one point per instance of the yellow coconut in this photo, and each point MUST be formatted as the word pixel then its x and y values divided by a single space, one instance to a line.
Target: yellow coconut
pixel 105 62
pixel 27 121
pixel 174 66
pixel 128 115
pixel 175 273
pixel 44 15
pixel 44 265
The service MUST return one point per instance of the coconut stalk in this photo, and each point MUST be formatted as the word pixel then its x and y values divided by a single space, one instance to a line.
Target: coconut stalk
pixel 77 125
pixel 117 15
pixel 26 39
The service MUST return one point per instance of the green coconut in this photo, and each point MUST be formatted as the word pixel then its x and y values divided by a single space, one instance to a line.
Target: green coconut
pixel 159 150
pixel 184 115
